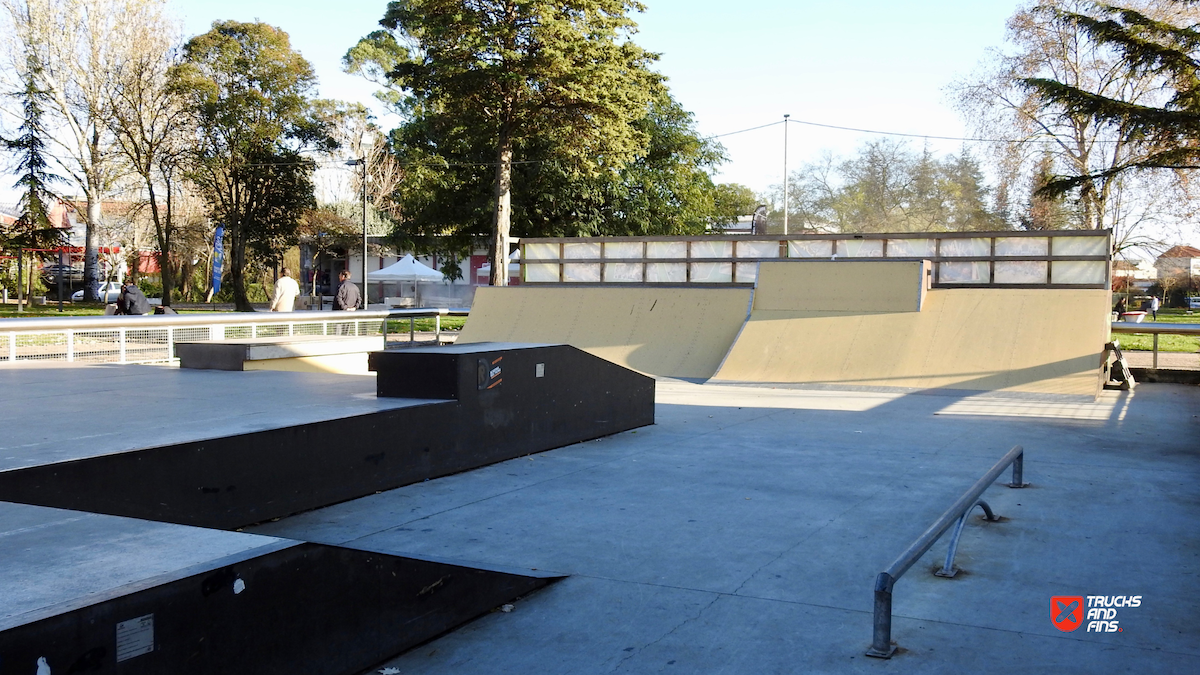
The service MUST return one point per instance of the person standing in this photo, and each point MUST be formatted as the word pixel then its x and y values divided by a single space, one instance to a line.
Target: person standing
pixel 348 297
pixel 1154 305
pixel 286 290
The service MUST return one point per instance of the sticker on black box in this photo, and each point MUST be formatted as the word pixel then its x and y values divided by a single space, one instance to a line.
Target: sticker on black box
pixel 135 637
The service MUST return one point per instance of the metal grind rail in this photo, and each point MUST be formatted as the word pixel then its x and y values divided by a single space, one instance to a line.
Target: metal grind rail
pixel 152 338
pixel 881 643
pixel 1156 329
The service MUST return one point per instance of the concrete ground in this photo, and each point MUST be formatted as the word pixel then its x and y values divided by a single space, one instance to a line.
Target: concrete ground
pixel 742 534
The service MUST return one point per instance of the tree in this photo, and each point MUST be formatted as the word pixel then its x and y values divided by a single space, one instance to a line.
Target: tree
pixel 324 230
pixel 1045 211
pixel 445 198
pixel 151 126
pixel 33 228
pixel 80 45
pixel 1166 132
pixel 253 94
pixel 886 187
pixel 563 72
pixel 1005 102
pixel 731 201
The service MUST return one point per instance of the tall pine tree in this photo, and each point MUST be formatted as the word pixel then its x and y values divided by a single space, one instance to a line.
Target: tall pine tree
pixel 33 230
pixel 1147 46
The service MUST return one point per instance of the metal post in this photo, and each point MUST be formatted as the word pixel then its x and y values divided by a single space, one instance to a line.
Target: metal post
pixel 60 276
pixel 20 279
pixel 881 641
pixel 412 329
pixel 437 329
pixel 948 570
pixel 364 210
pixel 1155 366
pixel 785 181
pixel 70 335
pixel 1018 472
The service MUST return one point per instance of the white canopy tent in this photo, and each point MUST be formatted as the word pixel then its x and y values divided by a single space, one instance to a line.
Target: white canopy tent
pixel 406 269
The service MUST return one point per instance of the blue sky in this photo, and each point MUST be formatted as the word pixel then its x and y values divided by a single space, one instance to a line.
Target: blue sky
pixel 870 64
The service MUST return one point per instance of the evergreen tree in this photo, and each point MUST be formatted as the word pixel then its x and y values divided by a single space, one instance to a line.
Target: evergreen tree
pixel 1147 46
pixel 1046 210
pixel 33 229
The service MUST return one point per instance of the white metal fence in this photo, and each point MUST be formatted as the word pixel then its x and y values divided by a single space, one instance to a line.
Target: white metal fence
pixel 152 338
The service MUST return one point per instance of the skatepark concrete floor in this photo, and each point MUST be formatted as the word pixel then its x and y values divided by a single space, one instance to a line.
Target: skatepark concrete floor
pixel 742 533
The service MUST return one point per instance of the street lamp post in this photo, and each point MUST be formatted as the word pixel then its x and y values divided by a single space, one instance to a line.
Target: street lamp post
pixel 363 163
pixel 785 181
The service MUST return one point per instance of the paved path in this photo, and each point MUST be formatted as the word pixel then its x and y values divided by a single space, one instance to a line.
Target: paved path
pixel 742 534
pixel 1170 360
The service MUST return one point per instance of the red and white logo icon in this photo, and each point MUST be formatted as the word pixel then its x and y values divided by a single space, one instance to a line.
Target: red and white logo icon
pixel 1066 612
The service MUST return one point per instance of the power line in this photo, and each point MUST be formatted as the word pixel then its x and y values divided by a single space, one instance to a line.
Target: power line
pixel 742 131
pixel 907 135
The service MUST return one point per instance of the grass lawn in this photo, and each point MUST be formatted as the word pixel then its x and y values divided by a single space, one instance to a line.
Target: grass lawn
pixel 50 309
pixel 426 325
pixel 1166 343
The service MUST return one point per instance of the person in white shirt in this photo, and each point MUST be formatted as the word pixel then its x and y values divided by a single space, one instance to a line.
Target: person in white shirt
pixel 286 290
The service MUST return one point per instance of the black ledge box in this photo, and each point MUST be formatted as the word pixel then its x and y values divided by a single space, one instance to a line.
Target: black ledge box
pixel 521 396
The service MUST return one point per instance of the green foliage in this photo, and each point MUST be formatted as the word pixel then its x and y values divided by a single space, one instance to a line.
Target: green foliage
pixel 492 82
pixel 149 288
pixel 33 229
pixel 730 201
pixel 886 187
pixel 664 189
pixel 1147 47
pixel 253 96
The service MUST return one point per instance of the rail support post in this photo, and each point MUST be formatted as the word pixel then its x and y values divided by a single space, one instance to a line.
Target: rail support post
pixel 881 643
pixel 948 569
pixel 1018 471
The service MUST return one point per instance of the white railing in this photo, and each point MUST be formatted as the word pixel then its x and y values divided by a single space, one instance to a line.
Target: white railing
pixel 1155 329
pixel 152 338
pixel 1009 259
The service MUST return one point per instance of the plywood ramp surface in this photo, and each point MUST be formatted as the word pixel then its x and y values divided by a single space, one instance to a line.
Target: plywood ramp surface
pixel 847 286
pixel 1037 340
pixel 672 332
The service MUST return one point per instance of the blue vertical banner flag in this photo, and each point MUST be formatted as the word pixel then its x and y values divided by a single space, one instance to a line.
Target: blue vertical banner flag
pixel 218 254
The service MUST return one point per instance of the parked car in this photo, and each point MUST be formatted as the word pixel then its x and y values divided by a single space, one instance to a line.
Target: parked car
pixel 69 273
pixel 108 293
pixel 1193 302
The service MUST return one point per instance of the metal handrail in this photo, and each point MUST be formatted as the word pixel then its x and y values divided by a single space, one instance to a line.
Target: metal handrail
pixel 1156 329
pixel 213 318
pixel 155 335
pixel 881 643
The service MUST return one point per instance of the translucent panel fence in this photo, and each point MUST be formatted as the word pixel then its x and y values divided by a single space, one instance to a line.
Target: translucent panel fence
pixel 1062 259
pixel 152 339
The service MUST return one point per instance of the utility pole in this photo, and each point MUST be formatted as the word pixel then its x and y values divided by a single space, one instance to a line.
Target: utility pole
pixel 785 177
pixel 363 163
